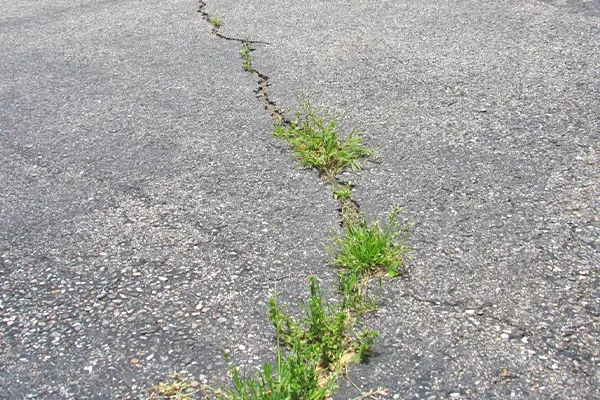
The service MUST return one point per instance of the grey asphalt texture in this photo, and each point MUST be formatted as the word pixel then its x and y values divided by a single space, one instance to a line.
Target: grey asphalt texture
pixel 146 213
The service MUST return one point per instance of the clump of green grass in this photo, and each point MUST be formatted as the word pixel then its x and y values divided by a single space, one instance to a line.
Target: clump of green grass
pixel 343 193
pixel 311 354
pixel 367 250
pixel 316 142
pixel 216 22
pixel 295 377
pixel 372 248
pixel 323 332
pixel 246 56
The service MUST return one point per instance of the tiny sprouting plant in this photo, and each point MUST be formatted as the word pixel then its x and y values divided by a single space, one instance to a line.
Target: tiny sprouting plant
pixel 342 193
pixel 245 52
pixel 216 22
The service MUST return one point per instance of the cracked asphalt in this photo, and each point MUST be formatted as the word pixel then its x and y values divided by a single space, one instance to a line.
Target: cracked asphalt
pixel 146 213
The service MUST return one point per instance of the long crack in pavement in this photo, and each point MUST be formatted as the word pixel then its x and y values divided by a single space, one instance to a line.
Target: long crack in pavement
pixel 144 222
pixel 483 117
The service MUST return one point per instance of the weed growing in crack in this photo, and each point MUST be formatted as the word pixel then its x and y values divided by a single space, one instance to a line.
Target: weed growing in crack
pixel 316 142
pixel 355 297
pixel 343 193
pixel 295 377
pixel 311 354
pixel 367 250
pixel 216 22
pixel 246 57
pixel 323 335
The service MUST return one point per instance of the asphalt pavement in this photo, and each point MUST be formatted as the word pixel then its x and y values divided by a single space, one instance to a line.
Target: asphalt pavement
pixel 146 213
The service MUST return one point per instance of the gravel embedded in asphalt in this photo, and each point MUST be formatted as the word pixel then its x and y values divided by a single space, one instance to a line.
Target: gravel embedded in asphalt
pixel 146 213
pixel 484 117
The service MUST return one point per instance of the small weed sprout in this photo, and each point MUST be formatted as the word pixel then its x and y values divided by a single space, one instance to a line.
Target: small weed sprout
pixel 354 294
pixel 316 142
pixel 216 22
pixel 246 56
pixel 343 193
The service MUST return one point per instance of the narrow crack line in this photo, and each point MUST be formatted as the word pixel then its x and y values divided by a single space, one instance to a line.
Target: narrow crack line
pixel 577 327
pixel 262 91
pixel 262 94
pixel 433 301
pixel 521 331
pixel 207 18
pixel 346 207
pixel 234 39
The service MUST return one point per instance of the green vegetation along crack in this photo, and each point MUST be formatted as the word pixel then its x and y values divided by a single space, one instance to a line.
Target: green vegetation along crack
pixel 313 352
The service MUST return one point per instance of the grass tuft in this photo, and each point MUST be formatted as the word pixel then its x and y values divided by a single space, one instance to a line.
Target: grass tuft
pixel 316 142
pixel 324 332
pixel 367 250
pixel 343 193
pixel 246 56
pixel 216 22
pixel 372 248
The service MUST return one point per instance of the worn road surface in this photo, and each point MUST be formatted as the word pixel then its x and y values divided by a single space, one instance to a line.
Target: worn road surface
pixel 146 212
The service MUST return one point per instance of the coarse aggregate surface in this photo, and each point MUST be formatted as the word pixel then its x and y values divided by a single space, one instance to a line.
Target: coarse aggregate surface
pixel 146 214
pixel 485 117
